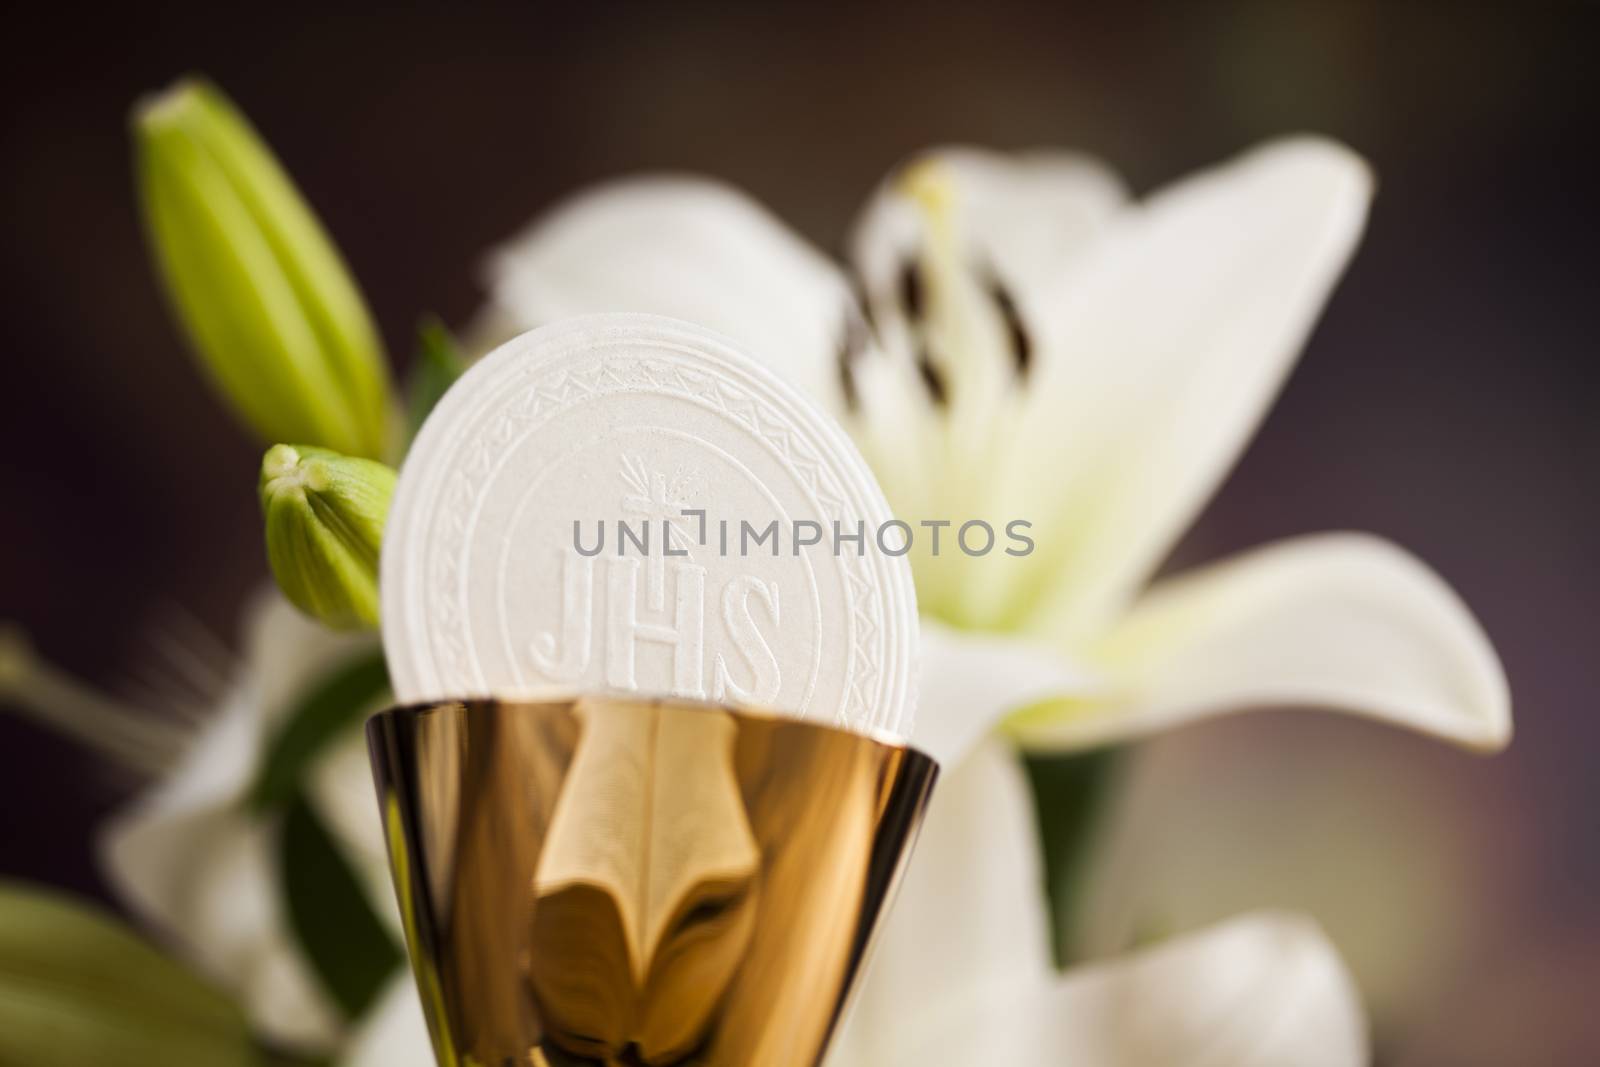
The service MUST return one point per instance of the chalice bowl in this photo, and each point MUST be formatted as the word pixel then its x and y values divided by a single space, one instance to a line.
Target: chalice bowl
pixel 615 880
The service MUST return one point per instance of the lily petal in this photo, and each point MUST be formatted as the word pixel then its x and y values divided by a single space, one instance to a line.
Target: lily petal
pixel 971 680
pixel 1346 622
pixel 1164 351
pixel 394 1033
pixel 970 914
pixel 692 249
pixel 1264 990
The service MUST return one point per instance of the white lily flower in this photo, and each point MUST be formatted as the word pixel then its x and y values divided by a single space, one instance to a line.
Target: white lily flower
pixel 201 854
pixel 1028 343
pixel 193 860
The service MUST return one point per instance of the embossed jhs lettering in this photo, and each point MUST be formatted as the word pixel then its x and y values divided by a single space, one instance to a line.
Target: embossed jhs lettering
pixel 749 673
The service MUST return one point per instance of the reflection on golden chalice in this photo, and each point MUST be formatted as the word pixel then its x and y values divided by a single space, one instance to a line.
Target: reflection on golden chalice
pixel 609 880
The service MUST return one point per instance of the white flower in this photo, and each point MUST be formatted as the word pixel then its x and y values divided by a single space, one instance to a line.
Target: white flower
pixel 191 858
pixel 1030 344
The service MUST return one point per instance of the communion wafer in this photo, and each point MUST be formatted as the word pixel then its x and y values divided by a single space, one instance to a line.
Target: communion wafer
pixel 625 502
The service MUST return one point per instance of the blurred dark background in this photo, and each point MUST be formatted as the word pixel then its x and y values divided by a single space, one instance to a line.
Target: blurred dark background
pixel 1446 401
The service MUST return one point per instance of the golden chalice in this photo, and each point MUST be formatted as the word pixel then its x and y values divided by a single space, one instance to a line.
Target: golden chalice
pixel 616 880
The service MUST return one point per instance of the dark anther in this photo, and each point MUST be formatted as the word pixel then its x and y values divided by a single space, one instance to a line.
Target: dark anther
pixel 1016 333
pixel 851 347
pixel 859 292
pixel 934 379
pixel 847 384
pixel 911 293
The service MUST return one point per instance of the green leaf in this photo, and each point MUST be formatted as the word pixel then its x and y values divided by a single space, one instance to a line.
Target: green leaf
pixel 269 307
pixel 336 703
pixel 347 944
pixel 324 517
pixel 77 987
pixel 1069 793
pixel 438 364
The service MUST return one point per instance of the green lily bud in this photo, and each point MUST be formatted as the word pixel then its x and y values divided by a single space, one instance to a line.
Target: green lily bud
pixel 325 515
pixel 77 986
pixel 269 307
